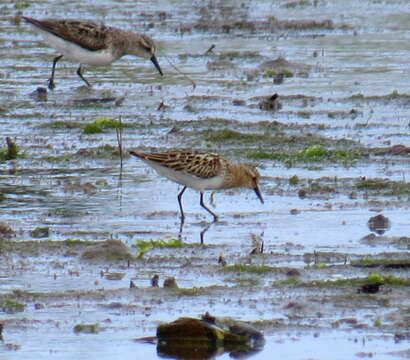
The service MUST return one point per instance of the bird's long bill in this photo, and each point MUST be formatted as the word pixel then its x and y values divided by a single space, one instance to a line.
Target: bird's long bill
pixel 258 194
pixel 156 64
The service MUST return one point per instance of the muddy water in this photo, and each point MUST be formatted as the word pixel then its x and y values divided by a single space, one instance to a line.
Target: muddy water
pixel 349 67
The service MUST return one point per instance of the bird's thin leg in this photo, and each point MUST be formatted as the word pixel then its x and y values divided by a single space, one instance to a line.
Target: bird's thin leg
pixel 80 74
pixel 203 231
pixel 51 85
pixel 180 206
pixel 181 227
pixel 203 205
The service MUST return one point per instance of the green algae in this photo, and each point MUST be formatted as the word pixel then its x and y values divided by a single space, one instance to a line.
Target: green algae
pixel 100 152
pixel 255 269
pixel 384 186
pixel 87 328
pixel 381 262
pixel 62 124
pixel 11 306
pixel 146 245
pixel 102 123
pixel 315 153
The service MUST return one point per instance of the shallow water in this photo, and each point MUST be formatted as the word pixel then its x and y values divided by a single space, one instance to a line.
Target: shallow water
pixel 365 53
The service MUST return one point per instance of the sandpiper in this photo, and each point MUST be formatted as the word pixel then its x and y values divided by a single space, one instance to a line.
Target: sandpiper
pixel 201 171
pixel 92 44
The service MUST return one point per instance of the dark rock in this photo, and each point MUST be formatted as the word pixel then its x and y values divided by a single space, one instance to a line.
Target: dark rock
pixel 379 224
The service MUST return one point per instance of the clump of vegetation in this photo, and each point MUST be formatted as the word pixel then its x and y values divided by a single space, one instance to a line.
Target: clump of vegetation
pixel 374 278
pixel 288 281
pixel 373 184
pixel 75 242
pixel 5 230
pixel 255 269
pixel 144 245
pixel 233 135
pixel 294 180
pixel 272 73
pixel 101 151
pixel 389 279
pixel 21 5
pixel 11 306
pixel 387 187
pixel 384 262
pixel 9 152
pixel 315 153
pixel 102 123
pixel 87 328
pixel 109 250
pixel 40 232
pixel 62 124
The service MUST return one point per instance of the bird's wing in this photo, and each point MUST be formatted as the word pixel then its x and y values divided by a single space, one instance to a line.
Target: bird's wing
pixel 197 163
pixel 89 35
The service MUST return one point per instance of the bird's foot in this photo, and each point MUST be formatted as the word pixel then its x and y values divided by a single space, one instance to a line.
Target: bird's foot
pixel 51 84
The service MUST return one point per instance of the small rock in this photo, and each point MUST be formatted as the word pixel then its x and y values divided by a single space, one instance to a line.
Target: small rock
pixel 114 275
pixel 40 94
pixel 372 288
pixel 40 232
pixel 170 282
pixel 238 102
pixel 293 272
pixel 87 328
pixel 379 224
pixel 302 193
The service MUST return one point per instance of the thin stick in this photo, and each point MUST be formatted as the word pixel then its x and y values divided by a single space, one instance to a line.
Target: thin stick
pixel 118 130
pixel 181 73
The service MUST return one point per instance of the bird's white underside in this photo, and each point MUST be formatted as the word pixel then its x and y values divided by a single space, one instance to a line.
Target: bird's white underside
pixel 189 180
pixel 75 52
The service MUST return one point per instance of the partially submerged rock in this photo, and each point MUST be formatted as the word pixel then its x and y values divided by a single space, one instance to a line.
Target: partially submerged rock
pixel 190 338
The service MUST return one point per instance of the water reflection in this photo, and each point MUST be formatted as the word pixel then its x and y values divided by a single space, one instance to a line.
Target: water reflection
pixel 201 234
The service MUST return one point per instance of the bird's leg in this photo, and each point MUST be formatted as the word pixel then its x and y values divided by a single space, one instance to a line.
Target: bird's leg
pixel 180 206
pixel 203 231
pixel 51 85
pixel 80 74
pixel 203 205
pixel 181 226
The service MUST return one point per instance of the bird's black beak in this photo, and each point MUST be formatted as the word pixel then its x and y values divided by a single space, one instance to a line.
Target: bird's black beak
pixel 155 62
pixel 258 194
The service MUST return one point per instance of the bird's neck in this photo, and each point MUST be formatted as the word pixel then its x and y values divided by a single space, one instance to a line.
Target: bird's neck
pixel 235 176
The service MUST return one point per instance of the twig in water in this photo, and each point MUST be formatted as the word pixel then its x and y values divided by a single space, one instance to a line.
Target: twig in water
pixel 181 73
pixel 210 50
pixel 118 130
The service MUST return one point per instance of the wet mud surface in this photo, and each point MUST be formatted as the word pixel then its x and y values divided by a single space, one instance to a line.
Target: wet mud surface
pixel 322 268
